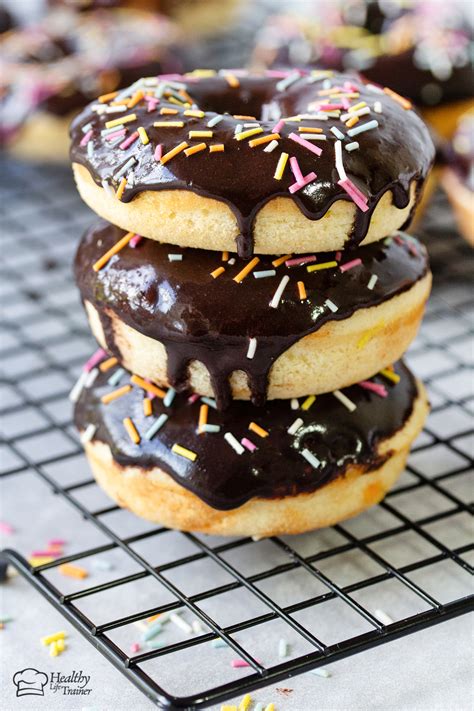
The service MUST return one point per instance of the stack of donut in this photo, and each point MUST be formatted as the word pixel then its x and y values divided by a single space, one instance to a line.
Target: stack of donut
pixel 252 294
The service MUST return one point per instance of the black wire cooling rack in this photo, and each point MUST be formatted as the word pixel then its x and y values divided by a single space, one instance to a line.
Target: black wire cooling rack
pixel 322 591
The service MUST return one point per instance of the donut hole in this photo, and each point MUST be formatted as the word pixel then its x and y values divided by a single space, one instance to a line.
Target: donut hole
pixel 255 99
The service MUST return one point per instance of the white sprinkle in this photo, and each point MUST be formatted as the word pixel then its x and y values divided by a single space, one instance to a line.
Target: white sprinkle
pixel 270 146
pixel 264 273
pixel 313 136
pixel 311 458
pixel 383 617
pixel 86 128
pixel 337 133
pixel 251 125
pixel 125 167
pixel 156 426
pixel 339 163
pixel 372 281
pixel 321 672
pixel 214 121
pixel 113 109
pixel 378 108
pixel 293 429
pixel 331 305
pixel 90 149
pixel 131 179
pixel 360 112
pixel 279 292
pixel 320 116
pixel 209 401
pixel 179 622
pixel 197 627
pixel 231 261
pixel 258 707
pixel 238 129
pixel 234 443
pixel 294 404
pixel 327 84
pixel 353 146
pixel 344 400
pixel 116 377
pixel 374 89
pixel 211 429
pixel 175 257
pixel 282 648
pixel 101 564
pixel 91 376
pixel 108 188
pixel 252 348
pixel 364 127
pixel 88 433
pixel 169 397
pixel 77 389
pixel 217 643
pixel 288 81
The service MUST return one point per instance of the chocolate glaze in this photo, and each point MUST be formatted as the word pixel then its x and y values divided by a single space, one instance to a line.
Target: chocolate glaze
pixel 211 320
pixel 226 480
pixel 390 157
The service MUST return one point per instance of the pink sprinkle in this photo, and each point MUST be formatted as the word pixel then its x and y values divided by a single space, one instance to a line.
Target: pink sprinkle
pixel 57 542
pixel 116 134
pixel 86 138
pixel 296 170
pixel 306 144
pixel 374 387
pixel 355 194
pixel 297 186
pixel 331 107
pixel 158 152
pixel 171 77
pixel 152 103
pixel 349 86
pixel 135 241
pixel 278 126
pixel 277 73
pixel 338 256
pixel 248 444
pixel 94 359
pixel 192 398
pixel 134 648
pixel 297 261
pixel 128 141
pixel 44 554
pixel 350 265
pixel 5 527
pixel 345 103
pixel 238 663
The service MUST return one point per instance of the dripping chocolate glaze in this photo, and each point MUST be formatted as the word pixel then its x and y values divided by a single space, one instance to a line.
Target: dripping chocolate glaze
pixel 211 320
pixel 390 157
pixel 226 480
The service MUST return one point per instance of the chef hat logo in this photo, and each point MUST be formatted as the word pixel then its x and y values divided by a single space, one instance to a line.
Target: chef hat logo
pixel 30 682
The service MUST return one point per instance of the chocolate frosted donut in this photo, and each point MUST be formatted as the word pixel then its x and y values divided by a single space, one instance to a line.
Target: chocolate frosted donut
pixel 202 322
pixel 272 470
pixel 288 163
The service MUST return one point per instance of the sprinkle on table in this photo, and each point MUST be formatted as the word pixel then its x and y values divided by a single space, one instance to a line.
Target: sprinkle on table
pixel 102 261
pixel 258 430
pixel 109 397
pixel 50 638
pixel 183 452
pixel 73 571
pixel 131 430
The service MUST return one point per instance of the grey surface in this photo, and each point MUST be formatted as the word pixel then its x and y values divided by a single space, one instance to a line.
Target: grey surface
pixel 44 344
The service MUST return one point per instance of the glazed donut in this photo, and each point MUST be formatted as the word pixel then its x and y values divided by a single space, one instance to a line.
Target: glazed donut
pixel 295 163
pixel 251 471
pixel 176 324
pixel 458 176
pixel 50 71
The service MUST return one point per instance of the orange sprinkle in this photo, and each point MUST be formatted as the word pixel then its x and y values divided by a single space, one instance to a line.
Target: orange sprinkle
pixel 131 430
pixel 264 139
pixel 232 80
pixel 216 148
pixel 149 387
pixel 147 406
pixel 115 394
pixel 280 260
pixel 309 129
pixel 225 256
pixel 153 617
pixel 195 149
pixel 245 118
pixel 301 290
pixel 170 112
pixel 352 121
pixel 121 188
pixel 400 99
pixel 217 272
pixel 107 364
pixel 73 571
pixel 113 250
pixel 203 412
pixel 246 270
pixel 174 152
pixel 107 97
pixel 136 98
pixel 258 430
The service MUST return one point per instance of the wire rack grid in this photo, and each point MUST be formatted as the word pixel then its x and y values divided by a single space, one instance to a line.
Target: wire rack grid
pixel 324 590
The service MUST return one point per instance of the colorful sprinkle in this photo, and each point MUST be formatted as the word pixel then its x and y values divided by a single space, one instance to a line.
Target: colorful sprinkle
pixel 183 452
pixel 251 348
pixel 310 458
pixel 274 303
pixel 308 402
pixel 233 442
pixel 319 267
pixel 344 400
pixel 293 429
pixel 280 169
pixel 174 152
pixel 73 571
pixel 156 426
pixel 131 430
pixel 246 270
pixel 258 430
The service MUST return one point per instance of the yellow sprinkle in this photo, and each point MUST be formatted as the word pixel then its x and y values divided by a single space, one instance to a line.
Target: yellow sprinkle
pixel 280 260
pixel 168 112
pixel 135 99
pixel 270 707
pixel 217 272
pixel 174 152
pixel 200 134
pixel 174 100
pixel 183 452
pixel 400 99
pixel 226 707
pixel 53 650
pixel 143 135
pixel 131 430
pixel 245 703
pixel 113 250
pixel 194 112
pixel 280 169
pixel 308 402
pixel 225 256
pixel 309 129
pixel 107 364
pixel 390 375
pixel 148 387
pixel 61 645
pixel 121 188
pixel 50 638
pixel 168 124
pixel 244 118
pixel 73 571
pixel 40 560
pixel 368 335
pixel 105 399
pixel 301 290
pixel 203 413
pixel 119 121
pixel 195 149
pixel 147 407
pixel 258 430
pixel 356 107
pixel 352 121
pixel 246 270
pixel 107 97
pixel 203 73
pixel 216 148
pixel 264 139
pixel 232 80
pixel 247 134
pixel 323 265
